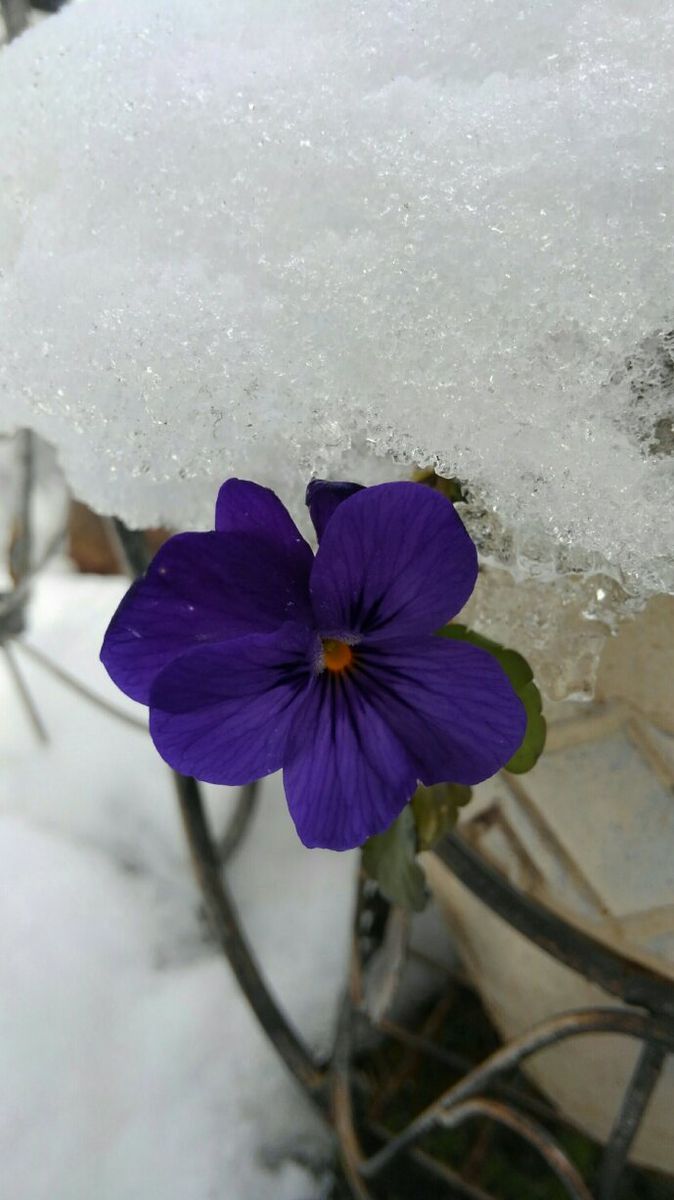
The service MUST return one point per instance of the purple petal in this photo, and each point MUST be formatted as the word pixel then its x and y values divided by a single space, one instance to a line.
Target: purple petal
pixel 346 775
pixel 222 713
pixel 323 497
pixel 244 507
pixel 395 560
pixel 201 587
pixel 449 703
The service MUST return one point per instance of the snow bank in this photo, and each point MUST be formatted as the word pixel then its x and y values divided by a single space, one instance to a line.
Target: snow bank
pixel 272 239
pixel 131 1066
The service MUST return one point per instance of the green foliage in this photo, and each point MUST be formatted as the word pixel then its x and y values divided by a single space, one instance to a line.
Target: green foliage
pixel 521 677
pixel 436 811
pixel 390 859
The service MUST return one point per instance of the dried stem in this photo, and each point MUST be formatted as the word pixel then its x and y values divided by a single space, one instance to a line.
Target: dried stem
pixel 577 1023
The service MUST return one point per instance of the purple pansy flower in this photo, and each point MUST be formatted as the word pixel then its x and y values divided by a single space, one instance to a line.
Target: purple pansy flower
pixel 254 654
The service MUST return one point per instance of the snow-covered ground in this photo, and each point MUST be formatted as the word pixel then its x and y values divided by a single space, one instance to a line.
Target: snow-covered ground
pixel 130 1066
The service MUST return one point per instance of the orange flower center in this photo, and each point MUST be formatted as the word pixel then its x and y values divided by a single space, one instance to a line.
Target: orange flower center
pixel 337 656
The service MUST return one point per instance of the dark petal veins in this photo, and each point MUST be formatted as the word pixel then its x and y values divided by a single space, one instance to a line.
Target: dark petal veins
pixel 394 560
pixel 346 775
pixel 449 703
pixel 245 507
pixel 202 587
pixel 323 497
pixel 222 712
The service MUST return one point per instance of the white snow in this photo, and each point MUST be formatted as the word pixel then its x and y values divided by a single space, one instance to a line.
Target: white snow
pixel 272 239
pixel 130 1065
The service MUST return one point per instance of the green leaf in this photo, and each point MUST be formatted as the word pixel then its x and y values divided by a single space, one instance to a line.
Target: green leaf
pixel 521 677
pixel 515 665
pixel 436 810
pixel 534 739
pixel 390 859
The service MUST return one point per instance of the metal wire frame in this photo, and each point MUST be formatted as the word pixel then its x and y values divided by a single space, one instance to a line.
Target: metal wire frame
pixel 464 1102
pixel 578 1023
pixel 329 1084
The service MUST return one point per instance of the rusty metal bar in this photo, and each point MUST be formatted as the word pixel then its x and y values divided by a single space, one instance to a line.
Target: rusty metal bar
pixel 626 1126
pixel 456 1184
pixel 462 1065
pixel 572 1024
pixel 616 973
pixel 226 927
pixel 350 1151
pixel 530 1131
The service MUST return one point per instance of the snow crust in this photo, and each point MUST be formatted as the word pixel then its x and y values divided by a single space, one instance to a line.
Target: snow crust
pixel 131 1066
pixel 273 239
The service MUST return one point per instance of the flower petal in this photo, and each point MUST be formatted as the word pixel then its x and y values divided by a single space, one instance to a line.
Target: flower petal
pixel 201 587
pixel 222 712
pixel 245 507
pixel 395 559
pixel 449 703
pixel 346 775
pixel 323 497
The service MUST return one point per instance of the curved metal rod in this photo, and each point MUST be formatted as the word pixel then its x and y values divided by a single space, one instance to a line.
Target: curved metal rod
pixel 351 1154
pixel 457 1186
pixel 571 1024
pixel 10 601
pixel 626 1125
pixel 21 547
pixel 82 690
pixel 225 924
pixel 460 1065
pixel 207 864
pixel 247 800
pixel 530 1131
pixel 23 691
pixel 616 973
